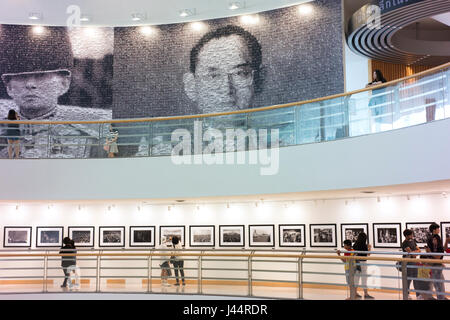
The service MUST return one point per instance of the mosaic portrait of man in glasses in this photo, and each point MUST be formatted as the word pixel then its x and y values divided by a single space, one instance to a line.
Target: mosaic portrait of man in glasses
pixel 225 70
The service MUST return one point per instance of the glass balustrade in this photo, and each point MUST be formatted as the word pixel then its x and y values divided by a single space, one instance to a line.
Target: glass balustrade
pixel 414 100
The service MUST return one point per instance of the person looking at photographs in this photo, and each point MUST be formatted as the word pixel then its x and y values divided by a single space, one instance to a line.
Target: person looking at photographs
pixel 225 70
pixel 67 261
pixel 166 272
pixel 409 245
pixel 378 96
pixel 111 142
pixel 434 244
pixel 348 263
pixel 361 244
pixel 178 264
pixel 13 135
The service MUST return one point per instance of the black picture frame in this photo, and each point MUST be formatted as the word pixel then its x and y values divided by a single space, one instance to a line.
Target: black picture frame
pixel 150 244
pixel 212 243
pixel 282 243
pixel 316 244
pixel 343 234
pixel 6 243
pixel 417 236
pixel 397 244
pixel 228 244
pixel 120 244
pixel 251 242
pixel 91 243
pixel 445 230
pixel 40 229
pixel 183 233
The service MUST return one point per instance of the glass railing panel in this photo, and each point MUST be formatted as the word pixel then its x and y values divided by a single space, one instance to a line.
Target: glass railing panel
pixel 322 121
pixel 420 100
pixel 446 75
pixel 381 109
pixel 161 143
pixel 233 126
pixel 33 141
pixel 78 140
pixel 131 139
pixel 281 120
pixel 359 113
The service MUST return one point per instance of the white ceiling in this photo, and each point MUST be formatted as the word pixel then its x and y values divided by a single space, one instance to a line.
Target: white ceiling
pixel 119 12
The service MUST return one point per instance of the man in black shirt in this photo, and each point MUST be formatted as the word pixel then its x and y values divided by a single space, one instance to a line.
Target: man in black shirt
pixel 410 245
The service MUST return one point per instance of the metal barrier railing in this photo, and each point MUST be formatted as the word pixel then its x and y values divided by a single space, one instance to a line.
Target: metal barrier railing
pixel 413 100
pixel 228 272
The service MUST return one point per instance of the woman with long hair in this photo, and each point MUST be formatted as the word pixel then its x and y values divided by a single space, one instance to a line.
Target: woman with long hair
pixel 377 103
pixel 361 244
pixel 13 134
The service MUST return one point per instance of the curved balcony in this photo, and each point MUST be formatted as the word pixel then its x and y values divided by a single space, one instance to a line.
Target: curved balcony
pixel 280 274
pixel 407 102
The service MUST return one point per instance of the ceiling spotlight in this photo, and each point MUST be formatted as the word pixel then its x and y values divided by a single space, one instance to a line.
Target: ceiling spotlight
pixel 85 18
pixel 253 19
pixel 138 16
pixel 305 9
pixel 38 29
pixel 35 16
pixel 235 5
pixel 147 30
pixel 198 26
pixel 187 12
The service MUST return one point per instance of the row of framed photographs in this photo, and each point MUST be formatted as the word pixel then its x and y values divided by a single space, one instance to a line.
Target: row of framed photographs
pixel 385 235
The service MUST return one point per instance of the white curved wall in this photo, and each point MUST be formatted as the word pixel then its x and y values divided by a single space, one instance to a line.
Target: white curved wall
pixel 409 155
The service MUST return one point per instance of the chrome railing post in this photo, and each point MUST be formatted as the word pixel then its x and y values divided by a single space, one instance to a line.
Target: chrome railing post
pixel 404 280
pixel 149 273
pixel 250 274
pixel 97 276
pixel 300 278
pixel 45 272
pixel 199 275
pixel 351 274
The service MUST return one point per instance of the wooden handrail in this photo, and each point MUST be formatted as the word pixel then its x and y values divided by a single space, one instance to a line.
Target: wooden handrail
pixel 247 255
pixel 209 115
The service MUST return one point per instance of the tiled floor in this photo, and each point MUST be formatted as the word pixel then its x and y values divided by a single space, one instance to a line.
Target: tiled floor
pixel 191 290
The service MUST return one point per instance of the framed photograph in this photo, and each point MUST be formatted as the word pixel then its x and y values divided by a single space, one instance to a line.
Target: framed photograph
pixel 421 232
pixel 49 236
pixel 292 235
pixel 387 235
pixel 350 231
pixel 231 236
pixel 201 236
pixel 167 232
pixel 142 236
pixel 82 236
pixel 17 237
pixel 445 231
pixel 261 235
pixel 111 237
pixel 323 235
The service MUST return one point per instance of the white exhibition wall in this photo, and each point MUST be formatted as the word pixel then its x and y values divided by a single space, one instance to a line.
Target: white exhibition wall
pixel 398 209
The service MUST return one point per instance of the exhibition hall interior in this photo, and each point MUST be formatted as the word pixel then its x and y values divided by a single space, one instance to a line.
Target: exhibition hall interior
pixel 249 149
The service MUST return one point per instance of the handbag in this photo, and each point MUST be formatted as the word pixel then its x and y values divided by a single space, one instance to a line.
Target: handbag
pixel 106 147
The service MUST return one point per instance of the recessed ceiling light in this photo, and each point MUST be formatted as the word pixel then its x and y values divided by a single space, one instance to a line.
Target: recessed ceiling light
pixel 138 16
pixel 187 12
pixel 85 18
pixel 253 19
pixel 147 30
pixel 35 16
pixel 38 29
pixel 235 5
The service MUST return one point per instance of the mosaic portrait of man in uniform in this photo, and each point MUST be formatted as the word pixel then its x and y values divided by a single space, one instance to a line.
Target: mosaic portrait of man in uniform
pixel 37 70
